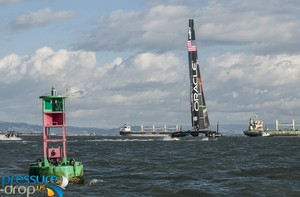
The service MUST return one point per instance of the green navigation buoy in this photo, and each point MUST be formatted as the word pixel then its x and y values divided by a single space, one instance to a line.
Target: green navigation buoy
pixel 55 162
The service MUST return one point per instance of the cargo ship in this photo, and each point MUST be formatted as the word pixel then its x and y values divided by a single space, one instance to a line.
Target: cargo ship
pixel 257 129
pixel 147 131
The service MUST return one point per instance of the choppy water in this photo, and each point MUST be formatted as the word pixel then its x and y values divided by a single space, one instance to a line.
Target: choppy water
pixel 118 166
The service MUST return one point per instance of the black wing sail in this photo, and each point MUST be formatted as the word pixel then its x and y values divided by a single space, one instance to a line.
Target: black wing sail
pixel 200 121
pixel 199 113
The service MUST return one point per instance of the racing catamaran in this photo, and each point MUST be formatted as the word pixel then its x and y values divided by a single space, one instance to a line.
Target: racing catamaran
pixel 199 115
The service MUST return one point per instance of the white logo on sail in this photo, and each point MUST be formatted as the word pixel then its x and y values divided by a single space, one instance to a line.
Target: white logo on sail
pixel 195 92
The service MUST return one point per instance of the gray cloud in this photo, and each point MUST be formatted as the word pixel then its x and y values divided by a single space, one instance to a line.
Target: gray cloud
pixel 7 2
pixel 136 30
pixel 41 17
pixel 231 26
pixel 254 84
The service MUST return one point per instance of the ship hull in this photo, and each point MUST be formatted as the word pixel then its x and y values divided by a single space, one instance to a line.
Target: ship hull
pixel 144 134
pixel 284 133
pixel 180 134
pixel 253 133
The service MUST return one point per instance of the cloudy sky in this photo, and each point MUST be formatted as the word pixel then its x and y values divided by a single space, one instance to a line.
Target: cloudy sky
pixel 126 61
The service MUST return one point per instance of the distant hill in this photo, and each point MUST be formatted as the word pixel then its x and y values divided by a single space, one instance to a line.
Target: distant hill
pixel 27 128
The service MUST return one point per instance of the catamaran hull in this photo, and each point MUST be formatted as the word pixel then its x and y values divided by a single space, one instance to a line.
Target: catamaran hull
pixel 213 134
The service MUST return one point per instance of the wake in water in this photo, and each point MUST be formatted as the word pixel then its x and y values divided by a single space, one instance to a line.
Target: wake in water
pixel 3 137
pixel 205 139
pixel 95 181
pixel 187 138
pixel 169 138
